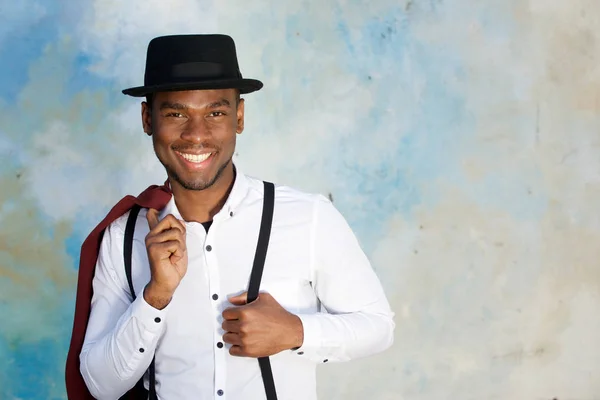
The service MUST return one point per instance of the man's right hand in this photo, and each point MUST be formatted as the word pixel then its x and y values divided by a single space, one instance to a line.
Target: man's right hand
pixel 167 254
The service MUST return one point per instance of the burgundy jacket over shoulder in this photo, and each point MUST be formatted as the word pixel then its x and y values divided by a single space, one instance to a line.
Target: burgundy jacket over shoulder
pixel 155 197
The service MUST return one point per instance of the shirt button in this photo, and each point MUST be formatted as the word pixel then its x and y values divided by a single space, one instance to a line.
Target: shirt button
pixel 208 248
pixel 231 213
pixel 300 353
pixel 220 392
pixel 220 345
pixel 325 360
pixel 157 320
pixel 215 296
pixel 141 350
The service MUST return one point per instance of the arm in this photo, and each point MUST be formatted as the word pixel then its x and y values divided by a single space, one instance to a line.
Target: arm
pixel 111 361
pixel 359 321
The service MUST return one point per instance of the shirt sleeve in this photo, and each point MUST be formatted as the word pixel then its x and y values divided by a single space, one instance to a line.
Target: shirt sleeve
pixel 122 335
pixel 358 321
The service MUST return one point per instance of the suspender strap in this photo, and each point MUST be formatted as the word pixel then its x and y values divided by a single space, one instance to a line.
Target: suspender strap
pixel 139 390
pixel 128 245
pixel 253 287
pixel 263 242
pixel 256 275
pixel 152 381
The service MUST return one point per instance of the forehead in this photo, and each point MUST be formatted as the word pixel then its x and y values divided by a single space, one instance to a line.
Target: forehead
pixel 195 97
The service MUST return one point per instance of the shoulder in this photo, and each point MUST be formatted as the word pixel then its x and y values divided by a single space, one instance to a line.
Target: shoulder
pixel 286 195
pixel 115 231
pixel 294 205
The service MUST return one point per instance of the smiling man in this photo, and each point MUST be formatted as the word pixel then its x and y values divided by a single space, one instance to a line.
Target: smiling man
pixel 168 305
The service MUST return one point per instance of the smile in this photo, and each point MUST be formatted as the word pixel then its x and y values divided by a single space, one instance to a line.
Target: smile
pixel 195 158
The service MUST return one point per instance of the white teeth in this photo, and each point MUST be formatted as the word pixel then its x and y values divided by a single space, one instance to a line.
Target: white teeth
pixel 195 158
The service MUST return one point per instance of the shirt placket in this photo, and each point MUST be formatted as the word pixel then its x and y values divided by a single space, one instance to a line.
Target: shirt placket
pixel 217 299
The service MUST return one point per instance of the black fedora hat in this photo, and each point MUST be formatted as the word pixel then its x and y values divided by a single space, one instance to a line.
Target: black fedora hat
pixel 188 62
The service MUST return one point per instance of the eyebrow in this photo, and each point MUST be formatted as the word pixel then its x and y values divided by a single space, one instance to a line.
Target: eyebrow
pixel 179 106
pixel 220 103
pixel 172 106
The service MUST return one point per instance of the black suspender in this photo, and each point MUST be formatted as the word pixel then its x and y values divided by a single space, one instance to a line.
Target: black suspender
pixel 256 275
pixel 128 245
pixel 139 389
pixel 253 287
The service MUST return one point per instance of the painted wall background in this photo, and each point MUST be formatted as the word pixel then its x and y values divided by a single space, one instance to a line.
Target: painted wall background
pixel 461 140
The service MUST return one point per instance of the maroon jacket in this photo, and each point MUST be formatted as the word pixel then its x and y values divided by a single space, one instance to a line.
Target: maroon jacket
pixel 153 197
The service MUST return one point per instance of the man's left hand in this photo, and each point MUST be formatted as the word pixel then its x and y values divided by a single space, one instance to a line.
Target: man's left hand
pixel 261 328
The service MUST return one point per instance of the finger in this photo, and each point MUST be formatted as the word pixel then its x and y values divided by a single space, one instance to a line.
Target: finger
pixel 165 250
pixel 168 222
pixel 231 314
pixel 166 236
pixel 152 218
pixel 237 351
pixel 173 222
pixel 232 338
pixel 239 300
pixel 265 296
pixel 231 326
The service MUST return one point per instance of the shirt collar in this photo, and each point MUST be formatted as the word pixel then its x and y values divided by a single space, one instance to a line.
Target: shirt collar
pixel 238 193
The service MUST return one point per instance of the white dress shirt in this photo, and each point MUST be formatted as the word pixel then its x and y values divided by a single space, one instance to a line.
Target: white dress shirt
pixel 315 269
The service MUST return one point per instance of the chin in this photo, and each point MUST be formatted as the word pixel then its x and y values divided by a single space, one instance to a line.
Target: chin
pixel 194 184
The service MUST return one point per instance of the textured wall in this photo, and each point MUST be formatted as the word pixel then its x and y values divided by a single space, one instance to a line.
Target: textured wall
pixel 460 138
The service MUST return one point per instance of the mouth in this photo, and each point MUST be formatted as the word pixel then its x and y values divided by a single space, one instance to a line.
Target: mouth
pixel 196 161
pixel 194 158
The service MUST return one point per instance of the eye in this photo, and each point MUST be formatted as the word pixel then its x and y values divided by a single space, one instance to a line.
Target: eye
pixel 175 115
pixel 217 114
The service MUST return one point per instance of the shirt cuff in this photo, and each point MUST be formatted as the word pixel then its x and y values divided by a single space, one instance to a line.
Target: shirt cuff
pixel 152 319
pixel 313 345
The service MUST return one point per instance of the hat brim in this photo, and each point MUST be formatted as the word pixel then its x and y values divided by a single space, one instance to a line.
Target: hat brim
pixel 245 86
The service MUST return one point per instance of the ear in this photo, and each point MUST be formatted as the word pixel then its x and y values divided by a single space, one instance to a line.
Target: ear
pixel 147 118
pixel 240 117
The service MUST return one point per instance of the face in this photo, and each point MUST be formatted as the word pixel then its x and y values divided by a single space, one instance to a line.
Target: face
pixel 194 133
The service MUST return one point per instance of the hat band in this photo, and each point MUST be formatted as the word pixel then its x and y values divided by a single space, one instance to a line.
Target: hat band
pixel 189 72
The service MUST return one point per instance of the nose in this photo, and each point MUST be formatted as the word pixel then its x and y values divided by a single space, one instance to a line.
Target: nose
pixel 196 130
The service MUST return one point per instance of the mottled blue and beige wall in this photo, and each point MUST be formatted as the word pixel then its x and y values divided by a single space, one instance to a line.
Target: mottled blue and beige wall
pixel 461 139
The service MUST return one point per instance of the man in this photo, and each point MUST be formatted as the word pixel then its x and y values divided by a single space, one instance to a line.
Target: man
pixel 186 329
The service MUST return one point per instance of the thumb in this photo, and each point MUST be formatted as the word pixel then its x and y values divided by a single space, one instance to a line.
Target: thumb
pixel 152 217
pixel 239 300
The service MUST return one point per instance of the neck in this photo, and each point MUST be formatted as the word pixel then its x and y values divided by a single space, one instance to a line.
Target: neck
pixel 203 205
